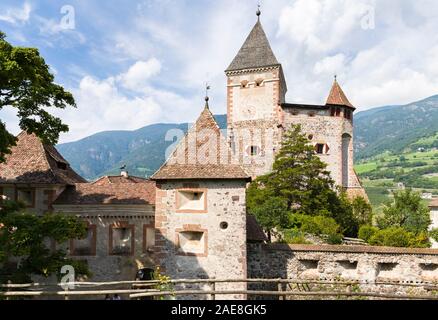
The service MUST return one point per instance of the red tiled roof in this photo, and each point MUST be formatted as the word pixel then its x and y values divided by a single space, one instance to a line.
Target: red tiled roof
pixel 31 161
pixel 253 230
pixel 202 154
pixel 337 96
pixel 110 190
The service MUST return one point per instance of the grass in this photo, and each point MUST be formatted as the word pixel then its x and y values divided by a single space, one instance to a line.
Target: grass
pixel 377 189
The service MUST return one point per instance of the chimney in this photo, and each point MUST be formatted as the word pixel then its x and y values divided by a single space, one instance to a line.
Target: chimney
pixel 124 173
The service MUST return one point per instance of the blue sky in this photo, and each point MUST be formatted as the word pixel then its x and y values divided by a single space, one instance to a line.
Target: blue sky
pixel 133 63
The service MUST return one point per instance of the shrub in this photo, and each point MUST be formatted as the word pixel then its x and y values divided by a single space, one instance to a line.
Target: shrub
pixel 420 241
pixel 335 238
pixel 399 237
pixel 391 237
pixel 434 234
pixel 366 232
pixel 294 236
pixel 317 225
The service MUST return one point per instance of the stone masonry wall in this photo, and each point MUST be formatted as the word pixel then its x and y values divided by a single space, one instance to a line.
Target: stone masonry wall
pixel 225 251
pixel 103 265
pixel 365 264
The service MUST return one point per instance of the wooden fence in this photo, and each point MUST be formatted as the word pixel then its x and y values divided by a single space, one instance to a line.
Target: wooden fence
pixel 284 289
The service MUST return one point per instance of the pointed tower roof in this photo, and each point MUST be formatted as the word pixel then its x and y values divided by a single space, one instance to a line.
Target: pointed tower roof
pixel 256 51
pixel 337 96
pixel 202 154
pixel 32 161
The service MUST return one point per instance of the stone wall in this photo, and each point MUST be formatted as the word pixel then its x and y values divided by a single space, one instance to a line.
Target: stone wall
pixel 44 195
pixel 224 248
pixel 104 265
pixel 364 264
pixel 253 114
pixel 322 128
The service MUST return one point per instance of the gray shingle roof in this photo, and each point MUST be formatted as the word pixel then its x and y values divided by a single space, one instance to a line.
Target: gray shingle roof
pixel 256 52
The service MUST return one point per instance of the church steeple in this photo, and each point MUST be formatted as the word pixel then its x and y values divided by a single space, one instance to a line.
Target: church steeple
pixel 337 96
pixel 256 51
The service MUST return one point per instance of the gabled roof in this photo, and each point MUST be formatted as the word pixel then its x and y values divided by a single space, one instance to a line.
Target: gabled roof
pixel 256 51
pixel 34 162
pixel 202 154
pixel 110 190
pixel 337 96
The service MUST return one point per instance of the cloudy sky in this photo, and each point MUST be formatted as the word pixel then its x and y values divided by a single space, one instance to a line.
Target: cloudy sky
pixel 133 63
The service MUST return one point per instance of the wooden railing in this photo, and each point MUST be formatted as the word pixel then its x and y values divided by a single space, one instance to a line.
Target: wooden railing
pixel 284 289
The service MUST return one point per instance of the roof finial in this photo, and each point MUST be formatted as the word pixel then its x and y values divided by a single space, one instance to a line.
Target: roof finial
pixel 258 12
pixel 207 87
pixel 336 78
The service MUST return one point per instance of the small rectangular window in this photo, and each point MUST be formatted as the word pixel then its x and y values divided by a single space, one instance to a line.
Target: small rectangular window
pixel 148 237
pixel 122 239
pixel 27 196
pixel 191 200
pixel 87 246
pixel 191 242
pixel 254 150
pixel 332 112
pixel 338 112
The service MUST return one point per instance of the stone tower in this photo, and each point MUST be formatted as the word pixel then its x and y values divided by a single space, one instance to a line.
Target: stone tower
pixel 256 88
pixel 200 214
pixel 329 128
pixel 258 115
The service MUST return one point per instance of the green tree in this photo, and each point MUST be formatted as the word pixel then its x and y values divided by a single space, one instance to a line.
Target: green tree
pixel 25 236
pixel 300 179
pixel 27 84
pixel 272 215
pixel 407 211
pixel 298 176
pixel 362 211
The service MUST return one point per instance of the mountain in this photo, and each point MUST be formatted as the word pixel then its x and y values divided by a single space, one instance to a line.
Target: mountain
pixel 142 150
pixel 394 128
pixel 386 129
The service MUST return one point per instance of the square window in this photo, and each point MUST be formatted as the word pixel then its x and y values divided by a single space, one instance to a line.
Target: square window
pixel 122 239
pixel 87 246
pixel 192 242
pixel 27 196
pixel 191 200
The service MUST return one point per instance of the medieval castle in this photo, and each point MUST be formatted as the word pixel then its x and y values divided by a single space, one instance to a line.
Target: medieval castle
pixel 190 217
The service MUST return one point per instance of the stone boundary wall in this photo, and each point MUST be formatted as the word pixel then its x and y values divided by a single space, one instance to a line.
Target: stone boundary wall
pixel 366 265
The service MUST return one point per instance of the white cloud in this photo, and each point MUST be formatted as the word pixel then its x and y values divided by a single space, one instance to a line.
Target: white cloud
pixel 103 104
pixel 330 65
pixel 17 15
pixel 55 32
pixel 395 63
pixel 138 74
